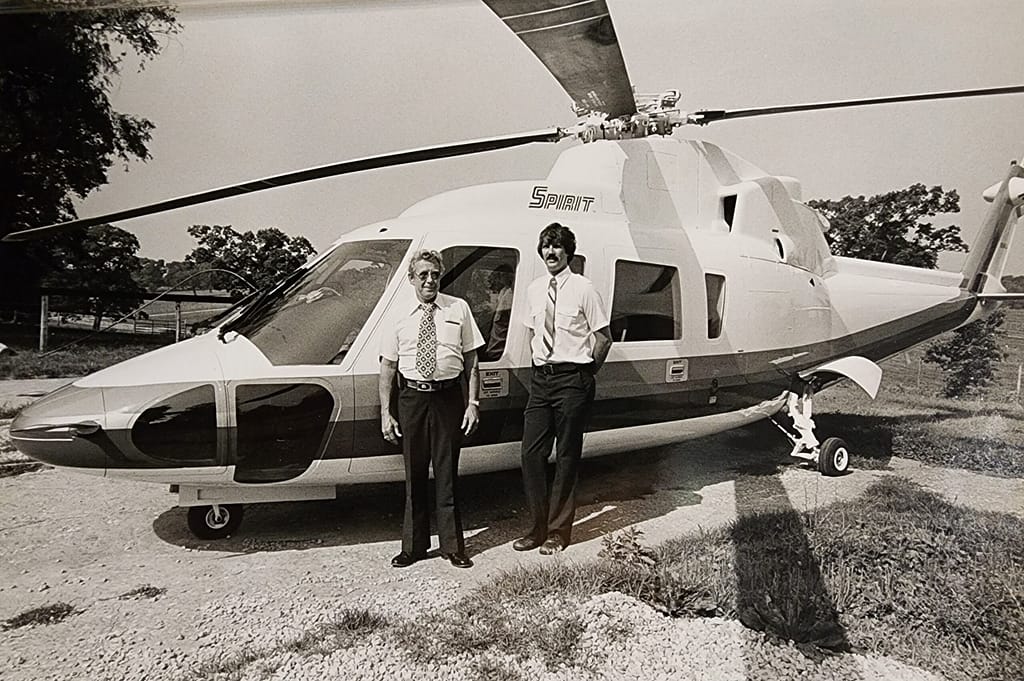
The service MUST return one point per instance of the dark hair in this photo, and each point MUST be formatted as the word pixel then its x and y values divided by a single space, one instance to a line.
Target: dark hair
pixel 557 235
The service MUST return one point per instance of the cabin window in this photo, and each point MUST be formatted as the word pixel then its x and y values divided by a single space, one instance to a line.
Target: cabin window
pixel 645 304
pixel 281 428
pixel 181 429
pixel 485 277
pixel 715 286
pixel 315 314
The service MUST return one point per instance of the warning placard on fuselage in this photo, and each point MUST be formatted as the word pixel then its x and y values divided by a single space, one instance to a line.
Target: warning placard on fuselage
pixel 493 383
pixel 677 370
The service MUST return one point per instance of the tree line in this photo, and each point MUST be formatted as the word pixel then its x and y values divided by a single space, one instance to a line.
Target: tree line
pixel 105 258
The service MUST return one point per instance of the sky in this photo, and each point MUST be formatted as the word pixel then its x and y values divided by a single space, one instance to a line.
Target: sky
pixel 250 90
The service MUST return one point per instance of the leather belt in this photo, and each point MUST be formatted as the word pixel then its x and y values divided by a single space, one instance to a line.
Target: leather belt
pixel 427 386
pixel 564 368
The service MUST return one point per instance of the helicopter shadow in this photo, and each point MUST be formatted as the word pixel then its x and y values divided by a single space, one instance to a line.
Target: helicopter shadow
pixel 614 492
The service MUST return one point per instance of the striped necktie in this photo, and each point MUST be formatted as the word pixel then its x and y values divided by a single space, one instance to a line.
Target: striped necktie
pixel 426 343
pixel 549 318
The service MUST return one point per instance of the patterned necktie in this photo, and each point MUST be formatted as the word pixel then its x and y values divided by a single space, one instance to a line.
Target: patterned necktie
pixel 549 318
pixel 426 343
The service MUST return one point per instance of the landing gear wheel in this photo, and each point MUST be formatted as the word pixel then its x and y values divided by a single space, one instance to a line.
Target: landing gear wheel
pixel 834 457
pixel 214 522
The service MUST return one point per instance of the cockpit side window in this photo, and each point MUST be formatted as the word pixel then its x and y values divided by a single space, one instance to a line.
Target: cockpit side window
pixel 485 277
pixel 315 316
pixel 180 429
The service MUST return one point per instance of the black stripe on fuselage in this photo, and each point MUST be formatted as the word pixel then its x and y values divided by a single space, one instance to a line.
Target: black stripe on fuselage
pixel 717 384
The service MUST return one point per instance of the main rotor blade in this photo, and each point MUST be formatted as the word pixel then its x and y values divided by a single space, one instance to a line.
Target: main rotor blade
pixel 576 41
pixel 307 175
pixel 709 116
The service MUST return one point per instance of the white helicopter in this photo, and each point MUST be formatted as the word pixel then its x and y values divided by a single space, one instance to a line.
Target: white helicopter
pixel 726 306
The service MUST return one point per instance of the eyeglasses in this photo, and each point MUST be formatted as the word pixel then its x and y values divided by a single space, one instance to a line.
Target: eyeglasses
pixel 433 276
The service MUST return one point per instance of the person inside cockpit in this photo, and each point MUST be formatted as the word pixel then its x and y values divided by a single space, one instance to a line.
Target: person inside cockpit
pixel 499 291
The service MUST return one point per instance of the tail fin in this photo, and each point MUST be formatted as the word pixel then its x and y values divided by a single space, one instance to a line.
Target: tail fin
pixel 984 266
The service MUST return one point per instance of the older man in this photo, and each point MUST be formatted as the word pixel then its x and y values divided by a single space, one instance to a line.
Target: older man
pixel 569 343
pixel 431 344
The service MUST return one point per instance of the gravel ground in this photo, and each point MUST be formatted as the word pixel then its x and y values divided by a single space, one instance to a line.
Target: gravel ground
pixel 89 541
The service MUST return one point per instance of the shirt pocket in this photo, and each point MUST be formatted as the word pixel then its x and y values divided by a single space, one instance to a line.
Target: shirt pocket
pixel 449 333
pixel 565 320
pixel 537 317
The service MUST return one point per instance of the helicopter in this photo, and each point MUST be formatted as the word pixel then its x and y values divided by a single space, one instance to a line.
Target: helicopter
pixel 726 305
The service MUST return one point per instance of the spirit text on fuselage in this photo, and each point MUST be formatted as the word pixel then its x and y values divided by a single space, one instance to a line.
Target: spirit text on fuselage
pixel 541 198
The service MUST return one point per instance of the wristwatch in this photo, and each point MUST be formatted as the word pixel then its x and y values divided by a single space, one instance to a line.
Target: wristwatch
pixel 475 403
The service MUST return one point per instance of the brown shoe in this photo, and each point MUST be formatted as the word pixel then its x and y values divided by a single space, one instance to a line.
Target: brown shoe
pixel 554 544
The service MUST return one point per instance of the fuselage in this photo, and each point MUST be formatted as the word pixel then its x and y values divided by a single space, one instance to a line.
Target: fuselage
pixel 717 279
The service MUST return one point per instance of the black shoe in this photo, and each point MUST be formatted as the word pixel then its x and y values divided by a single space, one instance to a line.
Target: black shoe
pixel 554 544
pixel 404 559
pixel 458 559
pixel 525 544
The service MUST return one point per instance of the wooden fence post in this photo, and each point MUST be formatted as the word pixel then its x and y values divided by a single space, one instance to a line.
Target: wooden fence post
pixel 44 320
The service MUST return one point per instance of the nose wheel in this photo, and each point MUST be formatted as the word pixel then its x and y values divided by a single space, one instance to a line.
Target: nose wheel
pixel 831 457
pixel 214 522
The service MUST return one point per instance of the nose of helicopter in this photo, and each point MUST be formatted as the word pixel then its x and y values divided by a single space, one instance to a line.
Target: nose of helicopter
pixel 64 429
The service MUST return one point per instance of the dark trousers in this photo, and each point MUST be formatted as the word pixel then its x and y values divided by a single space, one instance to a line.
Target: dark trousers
pixel 557 411
pixel 431 435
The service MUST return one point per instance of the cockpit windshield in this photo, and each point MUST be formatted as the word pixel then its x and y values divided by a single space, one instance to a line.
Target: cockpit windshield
pixel 315 316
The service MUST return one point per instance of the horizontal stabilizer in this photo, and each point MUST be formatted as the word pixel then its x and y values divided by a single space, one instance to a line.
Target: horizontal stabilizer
pixel 1000 296
pixel 862 371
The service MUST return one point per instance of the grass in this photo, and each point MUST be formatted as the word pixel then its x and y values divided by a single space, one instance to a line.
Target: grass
pixel 47 614
pixel 342 632
pixel 899 572
pixel 76 361
pixel 978 435
pixel 91 353
pixel 147 591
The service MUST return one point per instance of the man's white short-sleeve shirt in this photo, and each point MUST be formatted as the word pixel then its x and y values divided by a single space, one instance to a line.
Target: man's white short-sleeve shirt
pixel 579 312
pixel 456 334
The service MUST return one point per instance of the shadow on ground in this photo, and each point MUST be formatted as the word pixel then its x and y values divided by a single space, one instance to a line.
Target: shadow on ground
pixel 615 491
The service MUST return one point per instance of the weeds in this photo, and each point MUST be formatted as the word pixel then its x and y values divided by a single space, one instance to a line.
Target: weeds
pixel 48 614
pixel 343 632
pixel 625 547
pixel 143 592
pixel 9 411
pixel 525 613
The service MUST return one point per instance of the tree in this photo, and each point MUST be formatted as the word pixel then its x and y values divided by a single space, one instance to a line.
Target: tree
pixel 261 258
pixel 59 134
pixel 892 227
pixel 178 273
pixel 150 274
pixel 101 260
pixel 968 356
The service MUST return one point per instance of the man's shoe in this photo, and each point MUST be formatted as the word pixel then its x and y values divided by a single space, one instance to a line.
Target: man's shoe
pixel 554 544
pixel 404 559
pixel 458 559
pixel 525 544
